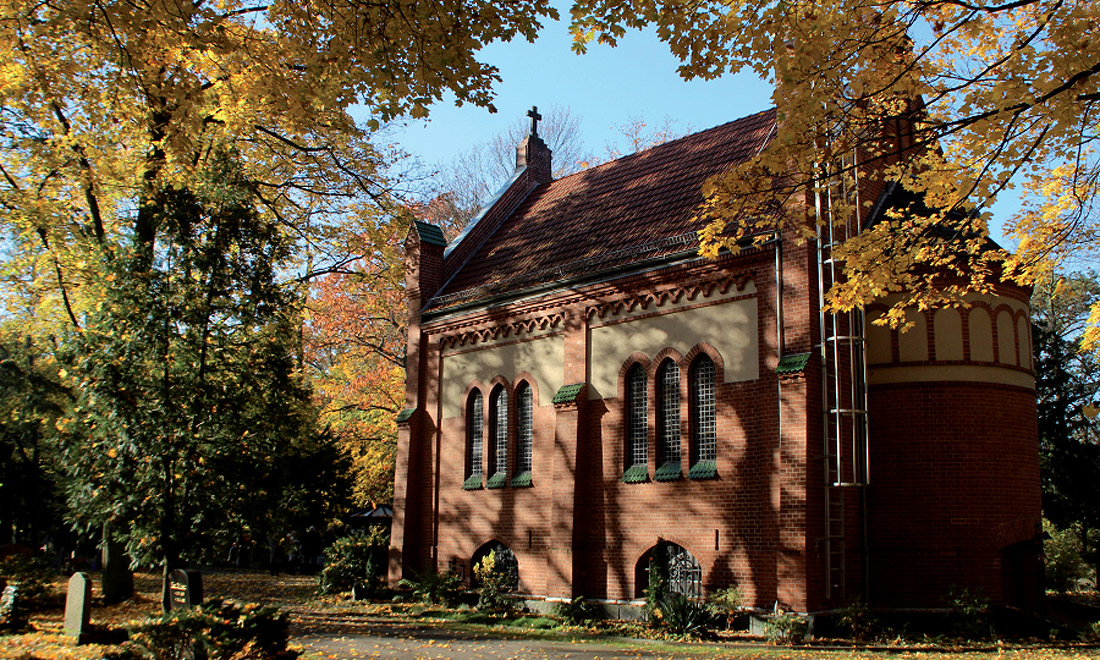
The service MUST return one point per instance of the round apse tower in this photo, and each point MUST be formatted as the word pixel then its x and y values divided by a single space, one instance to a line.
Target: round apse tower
pixel 954 495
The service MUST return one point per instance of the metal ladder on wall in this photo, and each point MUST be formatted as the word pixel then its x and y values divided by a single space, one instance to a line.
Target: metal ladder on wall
pixel 844 379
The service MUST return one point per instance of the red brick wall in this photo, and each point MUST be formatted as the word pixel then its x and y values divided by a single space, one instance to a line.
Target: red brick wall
pixel 955 479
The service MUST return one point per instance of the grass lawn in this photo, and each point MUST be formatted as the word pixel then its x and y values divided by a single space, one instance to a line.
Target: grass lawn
pixel 311 615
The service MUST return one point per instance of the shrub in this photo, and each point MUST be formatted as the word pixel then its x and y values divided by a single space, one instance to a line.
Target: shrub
pixel 578 611
pixel 496 585
pixel 435 588
pixel 1064 565
pixel 1093 632
pixel 216 630
pixel 684 616
pixel 355 560
pixel 725 604
pixel 969 615
pixel 786 628
pixel 860 623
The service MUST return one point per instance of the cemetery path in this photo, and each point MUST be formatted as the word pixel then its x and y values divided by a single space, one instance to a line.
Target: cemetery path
pixel 356 637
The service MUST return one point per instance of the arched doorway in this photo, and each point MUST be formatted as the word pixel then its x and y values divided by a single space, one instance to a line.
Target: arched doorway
pixel 505 561
pixel 672 563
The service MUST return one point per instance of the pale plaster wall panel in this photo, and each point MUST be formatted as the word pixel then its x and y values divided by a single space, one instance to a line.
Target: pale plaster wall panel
pixel 913 343
pixel 1006 338
pixel 947 324
pixel 878 344
pixel 731 328
pixel 981 335
pixel 1023 329
pixel 543 358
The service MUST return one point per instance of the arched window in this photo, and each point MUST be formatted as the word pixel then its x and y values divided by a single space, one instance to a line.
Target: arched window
pixel 668 421
pixel 704 436
pixel 637 426
pixel 524 434
pixel 475 440
pixel 498 420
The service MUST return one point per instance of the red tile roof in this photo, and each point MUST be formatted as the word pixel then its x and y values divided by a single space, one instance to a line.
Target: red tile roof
pixel 634 208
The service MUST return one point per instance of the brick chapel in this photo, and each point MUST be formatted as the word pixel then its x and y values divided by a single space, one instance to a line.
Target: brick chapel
pixel 584 388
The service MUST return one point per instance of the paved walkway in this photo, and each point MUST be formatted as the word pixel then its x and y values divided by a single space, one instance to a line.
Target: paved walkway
pixel 355 637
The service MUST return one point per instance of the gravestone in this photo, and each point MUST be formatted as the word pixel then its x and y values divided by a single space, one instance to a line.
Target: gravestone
pixel 13 615
pixel 78 603
pixel 185 588
pixel 118 580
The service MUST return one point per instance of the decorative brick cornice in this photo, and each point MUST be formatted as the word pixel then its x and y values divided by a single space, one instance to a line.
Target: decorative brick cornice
pixel 674 294
pixel 480 332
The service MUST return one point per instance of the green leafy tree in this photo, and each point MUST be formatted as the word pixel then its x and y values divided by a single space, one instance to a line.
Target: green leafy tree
pixel 32 399
pixel 190 396
pixel 1067 387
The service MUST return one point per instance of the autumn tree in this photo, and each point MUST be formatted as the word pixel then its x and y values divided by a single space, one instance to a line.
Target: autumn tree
pixel 955 101
pixel 355 352
pixel 114 117
pixel 106 106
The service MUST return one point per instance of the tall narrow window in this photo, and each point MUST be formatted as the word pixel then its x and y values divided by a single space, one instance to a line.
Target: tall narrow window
pixel 475 440
pixel 704 436
pixel 637 426
pixel 524 434
pixel 498 418
pixel 668 421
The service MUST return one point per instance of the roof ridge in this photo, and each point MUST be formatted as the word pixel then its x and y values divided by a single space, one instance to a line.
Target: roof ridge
pixel 662 146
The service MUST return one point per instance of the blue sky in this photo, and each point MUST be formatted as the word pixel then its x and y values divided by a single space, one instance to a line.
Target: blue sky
pixel 604 88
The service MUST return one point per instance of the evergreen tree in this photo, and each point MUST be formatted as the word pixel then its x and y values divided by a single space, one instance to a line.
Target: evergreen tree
pixel 1067 389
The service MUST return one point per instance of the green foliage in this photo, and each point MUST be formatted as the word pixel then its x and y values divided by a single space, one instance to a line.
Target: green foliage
pixel 216 630
pixel 496 585
pixel 1069 439
pixel 32 400
pixel 657 587
pixel 683 616
pixel 786 628
pixel 33 577
pixel 196 422
pixel 860 623
pixel 435 588
pixel 1064 565
pixel 970 618
pixel 725 603
pixel 1093 632
pixel 578 612
pixel 355 560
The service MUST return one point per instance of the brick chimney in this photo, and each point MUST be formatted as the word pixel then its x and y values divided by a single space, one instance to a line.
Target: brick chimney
pixel 533 153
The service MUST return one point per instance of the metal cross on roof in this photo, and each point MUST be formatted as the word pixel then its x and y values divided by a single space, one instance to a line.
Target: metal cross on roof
pixel 533 113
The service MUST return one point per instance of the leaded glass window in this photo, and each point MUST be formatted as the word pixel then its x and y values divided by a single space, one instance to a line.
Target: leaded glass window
pixel 668 412
pixel 637 434
pixel 475 432
pixel 498 412
pixel 524 411
pixel 703 426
